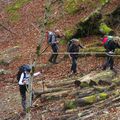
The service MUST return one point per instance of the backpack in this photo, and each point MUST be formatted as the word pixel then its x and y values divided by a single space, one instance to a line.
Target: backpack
pixel 107 39
pixel 50 36
pixel 22 69
pixel 69 44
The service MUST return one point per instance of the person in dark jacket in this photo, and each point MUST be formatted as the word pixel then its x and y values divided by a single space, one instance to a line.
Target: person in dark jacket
pixel 110 44
pixel 53 41
pixel 74 50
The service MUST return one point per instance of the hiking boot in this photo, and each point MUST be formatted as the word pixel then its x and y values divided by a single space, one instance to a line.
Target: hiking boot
pixel 55 62
pixel 50 61
pixel 114 70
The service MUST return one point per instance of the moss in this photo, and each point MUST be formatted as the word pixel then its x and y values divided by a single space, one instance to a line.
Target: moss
pixel 117 92
pixel 3 63
pixel 90 99
pixel 104 28
pixel 94 49
pixel 14 17
pixel 71 6
pixel 103 1
pixel 95 44
pixel 117 51
pixel 63 42
pixel 70 105
pixel 12 9
pixel 103 96
pixel 84 84
pixel 116 81
pixel 69 33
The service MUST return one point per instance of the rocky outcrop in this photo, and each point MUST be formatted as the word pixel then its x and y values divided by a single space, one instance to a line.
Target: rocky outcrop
pixel 9 55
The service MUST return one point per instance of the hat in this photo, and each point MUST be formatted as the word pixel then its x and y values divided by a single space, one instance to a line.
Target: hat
pixel 75 40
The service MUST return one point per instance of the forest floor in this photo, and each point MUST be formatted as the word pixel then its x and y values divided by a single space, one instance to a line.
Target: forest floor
pixel 25 34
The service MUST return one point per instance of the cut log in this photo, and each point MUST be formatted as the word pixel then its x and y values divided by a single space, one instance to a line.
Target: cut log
pixel 91 99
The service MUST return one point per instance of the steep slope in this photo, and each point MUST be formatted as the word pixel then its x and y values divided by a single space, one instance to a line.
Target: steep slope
pixel 20 40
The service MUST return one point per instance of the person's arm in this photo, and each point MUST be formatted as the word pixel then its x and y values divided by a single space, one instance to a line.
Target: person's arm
pixel 37 73
pixel 21 79
pixel 81 46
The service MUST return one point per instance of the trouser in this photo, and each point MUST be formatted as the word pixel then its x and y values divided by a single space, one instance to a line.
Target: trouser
pixel 74 65
pixel 23 90
pixel 109 62
pixel 54 56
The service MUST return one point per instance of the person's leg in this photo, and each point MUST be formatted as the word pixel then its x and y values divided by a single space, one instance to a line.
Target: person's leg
pixel 52 56
pixel 106 64
pixel 55 50
pixel 74 65
pixel 23 95
pixel 111 62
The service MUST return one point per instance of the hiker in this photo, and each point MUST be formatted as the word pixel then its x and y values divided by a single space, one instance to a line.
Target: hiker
pixel 110 44
pixel 73 50
pixel 23 77
pixel 53 42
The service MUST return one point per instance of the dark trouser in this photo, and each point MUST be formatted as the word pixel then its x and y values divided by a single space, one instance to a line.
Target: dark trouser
pixel 74 64
pixel 54 56
pixel 109 62
pixel 23 89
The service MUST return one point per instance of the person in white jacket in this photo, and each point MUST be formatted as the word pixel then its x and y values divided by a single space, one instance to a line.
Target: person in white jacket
pixel 23 85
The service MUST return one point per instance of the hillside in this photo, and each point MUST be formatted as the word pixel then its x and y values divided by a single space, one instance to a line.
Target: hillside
pixel 19 37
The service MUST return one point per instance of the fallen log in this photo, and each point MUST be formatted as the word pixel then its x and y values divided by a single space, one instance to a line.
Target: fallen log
pixel 88 80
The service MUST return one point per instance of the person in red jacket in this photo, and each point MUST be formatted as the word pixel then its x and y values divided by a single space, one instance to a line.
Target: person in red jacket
pixel 110 44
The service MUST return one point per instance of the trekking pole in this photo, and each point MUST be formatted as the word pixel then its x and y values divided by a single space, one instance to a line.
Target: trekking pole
pixel 43 85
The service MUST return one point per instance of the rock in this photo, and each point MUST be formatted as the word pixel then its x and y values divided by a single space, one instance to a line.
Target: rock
pixel 3 72
pixel 9 55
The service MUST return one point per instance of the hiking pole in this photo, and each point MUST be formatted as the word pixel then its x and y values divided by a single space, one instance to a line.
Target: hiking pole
pixel 44 50
pixel 43 85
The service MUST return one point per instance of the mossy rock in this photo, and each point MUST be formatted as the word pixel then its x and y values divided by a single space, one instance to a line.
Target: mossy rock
pixel 70 105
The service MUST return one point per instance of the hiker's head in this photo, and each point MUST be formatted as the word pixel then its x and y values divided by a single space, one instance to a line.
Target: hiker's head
pixel 28 70
pixel 57 32
pixel 76 41
pixel 117 40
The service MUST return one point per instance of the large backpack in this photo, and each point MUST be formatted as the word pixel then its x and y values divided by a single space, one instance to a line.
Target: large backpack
pixel 22 69
pixel 69 44
pixel 107 39
pixel 50 36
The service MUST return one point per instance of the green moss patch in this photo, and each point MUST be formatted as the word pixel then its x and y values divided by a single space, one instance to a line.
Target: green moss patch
pixel 90 99
pixel 72 6
pixel 70 105
pixel 104 28
pixel 12 9
pixel 69 33
pixel 94 49
pixel 103 96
